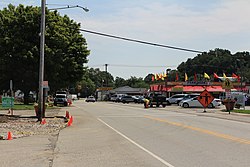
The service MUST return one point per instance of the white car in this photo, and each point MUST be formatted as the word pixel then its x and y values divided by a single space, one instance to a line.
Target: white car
pixel 193 102
pixel 90 99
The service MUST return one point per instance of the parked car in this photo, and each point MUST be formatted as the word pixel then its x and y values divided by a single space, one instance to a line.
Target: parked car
pixel 156 99
pixel 193 102
pixel 189 96
pixel 116 97
pixel 127 99
pixel 138 99
pixel 175 99
pixel 61 99
pixel 90 99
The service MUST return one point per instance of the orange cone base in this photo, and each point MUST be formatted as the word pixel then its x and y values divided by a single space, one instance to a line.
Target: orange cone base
pixel 43 121
pixel 9 136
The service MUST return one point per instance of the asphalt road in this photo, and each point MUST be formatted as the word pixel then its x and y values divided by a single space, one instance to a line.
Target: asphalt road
pixel 111 134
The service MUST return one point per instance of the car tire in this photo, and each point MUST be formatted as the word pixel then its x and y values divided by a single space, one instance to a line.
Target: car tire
pixel 185 105
pixel 210 105
pixel 163 105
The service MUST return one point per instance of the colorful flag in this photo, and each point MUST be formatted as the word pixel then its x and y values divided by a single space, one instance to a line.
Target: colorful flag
pixel 156 77
pixel 236 76
pixel 186 77
pixel 216 76
pixel 224 75
pixel 176 76
pixel 195 77
pixel 206 76
pixel 164 75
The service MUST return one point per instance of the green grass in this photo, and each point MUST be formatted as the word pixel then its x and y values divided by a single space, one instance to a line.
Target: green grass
pixel 23 107
pixel 242 111
pixel 238 111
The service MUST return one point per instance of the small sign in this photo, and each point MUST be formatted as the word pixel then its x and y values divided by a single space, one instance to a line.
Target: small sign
pixel 205 98
pixel 7 102
pixel 227 84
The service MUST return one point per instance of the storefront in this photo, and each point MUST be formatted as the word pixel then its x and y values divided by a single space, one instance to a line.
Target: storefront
pixel 171 88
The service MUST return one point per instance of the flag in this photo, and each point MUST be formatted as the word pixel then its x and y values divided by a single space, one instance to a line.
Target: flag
pixel 160 76
pixel 176 76
pixel 164 75
pixel 195 77
pixel 186 77
pixel 224 76
pixel 216 76
pixel 156 78
pixel 236 76
pixel 206 76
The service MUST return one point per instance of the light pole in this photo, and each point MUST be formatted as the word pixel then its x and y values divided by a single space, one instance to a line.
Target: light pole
pixel 41 65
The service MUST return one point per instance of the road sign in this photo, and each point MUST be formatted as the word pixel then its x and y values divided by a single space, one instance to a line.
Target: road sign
pixel 227 84
pixel 7 101
pixel 205 98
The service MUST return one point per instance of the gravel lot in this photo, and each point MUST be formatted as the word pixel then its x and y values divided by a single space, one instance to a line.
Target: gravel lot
pixel 23 123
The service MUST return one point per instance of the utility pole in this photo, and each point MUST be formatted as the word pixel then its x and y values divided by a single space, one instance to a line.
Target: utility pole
pixel 41 66
pixel 106 70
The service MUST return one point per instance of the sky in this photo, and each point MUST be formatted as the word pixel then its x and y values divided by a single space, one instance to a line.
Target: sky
pixel 191 24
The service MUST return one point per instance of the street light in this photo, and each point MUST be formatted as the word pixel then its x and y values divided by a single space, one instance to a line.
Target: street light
pixel 76 6
pixel 41 65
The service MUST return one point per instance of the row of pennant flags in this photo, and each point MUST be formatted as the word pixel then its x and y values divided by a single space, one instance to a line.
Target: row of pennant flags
pixel 163 76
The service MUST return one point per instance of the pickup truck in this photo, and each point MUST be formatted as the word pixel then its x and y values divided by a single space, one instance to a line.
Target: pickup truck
pixel 157 99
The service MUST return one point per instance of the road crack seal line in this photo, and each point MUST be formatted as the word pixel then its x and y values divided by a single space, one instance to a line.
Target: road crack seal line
pixel 212 133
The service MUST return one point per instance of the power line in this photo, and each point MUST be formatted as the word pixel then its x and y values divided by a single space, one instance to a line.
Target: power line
pixel 132 66
pixel 139 41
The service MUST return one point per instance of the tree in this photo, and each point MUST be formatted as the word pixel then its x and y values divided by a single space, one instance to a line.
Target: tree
pixel 136 82
pixel 217 61
pixel 119 82
pixel 100 78
pixel 65 49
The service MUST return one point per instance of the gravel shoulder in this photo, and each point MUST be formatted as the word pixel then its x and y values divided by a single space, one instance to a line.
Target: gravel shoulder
pixel 23 123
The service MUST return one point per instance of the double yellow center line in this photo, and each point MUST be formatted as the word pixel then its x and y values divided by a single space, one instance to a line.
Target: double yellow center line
pixel 212 133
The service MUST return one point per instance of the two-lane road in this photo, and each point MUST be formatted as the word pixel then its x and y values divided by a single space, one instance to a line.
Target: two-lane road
pixel 110 134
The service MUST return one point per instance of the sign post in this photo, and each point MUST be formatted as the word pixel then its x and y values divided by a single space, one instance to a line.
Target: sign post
pixel 205 99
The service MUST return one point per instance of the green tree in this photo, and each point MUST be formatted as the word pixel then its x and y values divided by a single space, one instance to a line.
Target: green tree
pixel 100 78
pixel 65 49
pixel 135 82
pixel 217 61
pixel 119 82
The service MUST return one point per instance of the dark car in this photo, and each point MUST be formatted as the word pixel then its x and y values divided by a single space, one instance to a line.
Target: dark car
pixel 61 99
pixel 138 99
pixel 127 99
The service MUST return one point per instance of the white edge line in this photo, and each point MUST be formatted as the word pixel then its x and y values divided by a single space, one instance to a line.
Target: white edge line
pixel 144 149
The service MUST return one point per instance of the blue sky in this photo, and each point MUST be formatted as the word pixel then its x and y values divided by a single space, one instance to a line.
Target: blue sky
pixel 192 24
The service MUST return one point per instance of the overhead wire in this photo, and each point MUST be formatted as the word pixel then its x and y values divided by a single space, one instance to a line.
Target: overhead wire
pixel 140 41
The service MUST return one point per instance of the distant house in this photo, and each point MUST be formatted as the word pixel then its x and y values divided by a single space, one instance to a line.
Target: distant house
pixel 128 90
pixel 105 94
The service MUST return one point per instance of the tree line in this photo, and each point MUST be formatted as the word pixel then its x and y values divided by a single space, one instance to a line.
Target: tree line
pixel 66 53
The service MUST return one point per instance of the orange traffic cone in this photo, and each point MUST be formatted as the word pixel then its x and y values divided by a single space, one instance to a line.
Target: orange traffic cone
pixel 43 121
pixel 70 121
pixel 67 114
pixel 9 136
